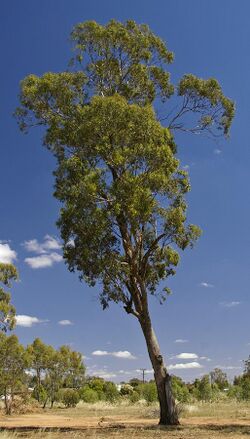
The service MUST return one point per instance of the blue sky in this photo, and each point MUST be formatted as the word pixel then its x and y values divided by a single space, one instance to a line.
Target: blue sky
pixel 208 312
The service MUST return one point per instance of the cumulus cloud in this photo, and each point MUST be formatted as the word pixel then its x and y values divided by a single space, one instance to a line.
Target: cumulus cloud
pixel 99 353
pixel 192 365
pixel 181 340
pixel 49 243
pixel 119 354
pixel 27 321
pixel 230 304
pixel 43 260
pixel 7 255
pixel 65 322
pixel 206 285
pixel 123 354
pixel 186 356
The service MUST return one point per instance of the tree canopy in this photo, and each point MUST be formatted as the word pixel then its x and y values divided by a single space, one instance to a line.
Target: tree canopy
pixel 7 311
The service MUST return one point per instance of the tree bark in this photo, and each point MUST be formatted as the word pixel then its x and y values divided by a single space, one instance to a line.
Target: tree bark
pixel 168 409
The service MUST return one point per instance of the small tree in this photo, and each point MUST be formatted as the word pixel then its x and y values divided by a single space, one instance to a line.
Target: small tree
pixel 180 389
pixel 64 367
pixel 13 362
pixel 123 192
pixel 70 398
pixel 40 355
pixel 219 377
pixel 110 391
pixel 7 311
pixel 204 389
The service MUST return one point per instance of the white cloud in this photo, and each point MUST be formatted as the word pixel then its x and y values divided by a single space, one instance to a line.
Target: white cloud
pixel 43 261
pixel 186 356
pixel 217 151
pixel 119 354
pixel 65 322
pixel 192 365
pixel 123 354
pixel 181 340
pixel 205 358
pixel 28 321
pixel 206 285
pixel 49 243
pixel 230 304
pixel 100 353
pixel 7 255
pixel 186 167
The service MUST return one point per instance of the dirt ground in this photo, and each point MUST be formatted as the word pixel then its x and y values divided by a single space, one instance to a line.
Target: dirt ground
pixel 71 424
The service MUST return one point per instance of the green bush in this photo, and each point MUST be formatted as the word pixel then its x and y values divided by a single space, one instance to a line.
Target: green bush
pixel 88 395
pixel 134 397
pixel 97 384
pixel 147 391
pixel 110 391
pixel 180 390
pixel 40 393
pixel 70 398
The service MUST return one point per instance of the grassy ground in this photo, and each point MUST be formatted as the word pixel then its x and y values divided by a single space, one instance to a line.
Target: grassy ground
pixel 102 421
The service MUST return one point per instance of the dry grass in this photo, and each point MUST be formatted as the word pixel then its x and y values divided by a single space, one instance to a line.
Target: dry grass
pixel 104 421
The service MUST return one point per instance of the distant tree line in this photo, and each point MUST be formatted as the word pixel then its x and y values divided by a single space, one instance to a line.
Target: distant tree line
pixel 48 375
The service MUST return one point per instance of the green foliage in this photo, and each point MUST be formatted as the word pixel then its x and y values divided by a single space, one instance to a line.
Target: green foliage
pixel 13 362
pixel 147 391
pixel 70 398
pixel 39 393
pixel 123 58
pixel 97 384
pixel 88 395
pixel 134 397
pixel 7 311
pixel 219 378
pixel 207 99
pixel 203 390
pixel 64 367
pixel 242 388
pixel 119 181
pixel 110 391
pixel 180 390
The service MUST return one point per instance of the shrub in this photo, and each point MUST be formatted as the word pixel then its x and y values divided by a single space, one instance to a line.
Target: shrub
pixel 70 398
pixel 126 389
pixel 110 391
pixel 88 395
pixel 180 390
pixel 148 391
pixel 40 394
pixel 134 397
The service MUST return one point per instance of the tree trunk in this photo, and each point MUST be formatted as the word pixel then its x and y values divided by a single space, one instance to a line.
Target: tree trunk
pixel 168 409
pixel 7 402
